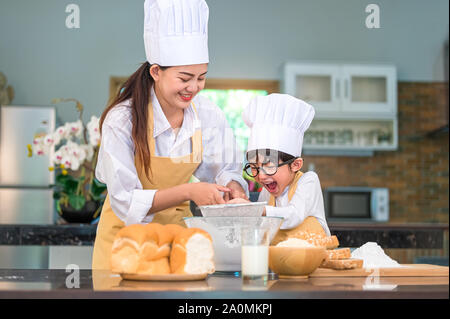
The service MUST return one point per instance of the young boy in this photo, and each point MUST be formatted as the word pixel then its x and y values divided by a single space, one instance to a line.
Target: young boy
pixel 278 123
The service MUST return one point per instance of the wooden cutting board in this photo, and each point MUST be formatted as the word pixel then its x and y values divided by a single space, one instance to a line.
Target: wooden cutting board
pixel 407 270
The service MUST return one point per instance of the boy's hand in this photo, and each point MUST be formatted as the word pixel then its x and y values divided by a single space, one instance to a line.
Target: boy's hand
pixel 236 191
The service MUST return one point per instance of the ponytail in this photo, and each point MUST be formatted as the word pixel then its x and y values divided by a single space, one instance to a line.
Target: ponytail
pixel 137 88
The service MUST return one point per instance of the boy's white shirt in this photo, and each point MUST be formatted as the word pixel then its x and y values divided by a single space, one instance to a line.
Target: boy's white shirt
pixel 115 166
pixel 307 201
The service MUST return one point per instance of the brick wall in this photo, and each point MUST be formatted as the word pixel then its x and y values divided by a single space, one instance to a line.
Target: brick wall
pixel 417 174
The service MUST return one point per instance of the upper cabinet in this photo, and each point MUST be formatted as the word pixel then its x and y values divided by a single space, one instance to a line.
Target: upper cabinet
pixel 343 90
pixel 369 90
pixel 355 104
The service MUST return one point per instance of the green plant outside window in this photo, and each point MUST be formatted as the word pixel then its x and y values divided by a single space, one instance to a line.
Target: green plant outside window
pixel 232 103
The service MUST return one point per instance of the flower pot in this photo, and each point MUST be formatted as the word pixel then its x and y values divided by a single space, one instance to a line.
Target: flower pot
pixel 84 215
pixel 254 196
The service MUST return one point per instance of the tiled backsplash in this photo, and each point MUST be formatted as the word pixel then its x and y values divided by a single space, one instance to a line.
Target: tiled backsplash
pixel 417 174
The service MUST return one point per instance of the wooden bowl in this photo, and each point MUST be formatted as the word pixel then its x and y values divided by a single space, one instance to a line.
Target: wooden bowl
pixel 295 261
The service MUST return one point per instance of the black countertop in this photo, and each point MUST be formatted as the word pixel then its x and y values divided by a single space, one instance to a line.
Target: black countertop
pixel 387 235
pixel 43 283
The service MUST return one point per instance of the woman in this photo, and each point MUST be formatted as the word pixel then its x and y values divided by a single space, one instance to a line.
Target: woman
pixel 157 132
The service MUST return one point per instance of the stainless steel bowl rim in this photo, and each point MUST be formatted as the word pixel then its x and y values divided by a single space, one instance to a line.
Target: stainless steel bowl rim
pixel 233 217
pixel 233 205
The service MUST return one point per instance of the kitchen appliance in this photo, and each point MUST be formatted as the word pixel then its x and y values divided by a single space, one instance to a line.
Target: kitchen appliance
pixel 356 203
pixel 26 196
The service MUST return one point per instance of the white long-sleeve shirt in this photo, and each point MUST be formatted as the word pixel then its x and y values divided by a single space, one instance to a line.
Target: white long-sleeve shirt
pixel 307 201
pixel 221 160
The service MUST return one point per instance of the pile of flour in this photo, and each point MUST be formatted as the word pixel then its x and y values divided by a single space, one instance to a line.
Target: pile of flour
pixel 373 256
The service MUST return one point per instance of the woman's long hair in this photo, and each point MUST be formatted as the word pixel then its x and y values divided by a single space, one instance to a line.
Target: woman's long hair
pixel 137 88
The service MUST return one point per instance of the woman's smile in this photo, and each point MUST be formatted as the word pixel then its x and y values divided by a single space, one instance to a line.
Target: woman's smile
pixel 186 97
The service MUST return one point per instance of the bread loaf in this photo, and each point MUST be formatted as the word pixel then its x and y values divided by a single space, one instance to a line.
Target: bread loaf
pixel 141 248
pixel 157 244
pixel 342 253
pixel 192 252
pixel 154 249
pixel 339 264
pixel 329 242
pixel 154 267
pixel 173 229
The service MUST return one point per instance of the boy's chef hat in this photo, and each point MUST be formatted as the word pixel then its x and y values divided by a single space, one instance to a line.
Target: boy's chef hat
pixel 176 32
pixel 278 122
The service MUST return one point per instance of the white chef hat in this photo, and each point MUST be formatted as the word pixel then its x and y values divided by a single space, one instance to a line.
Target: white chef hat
pixel 278 122
pixel 176 32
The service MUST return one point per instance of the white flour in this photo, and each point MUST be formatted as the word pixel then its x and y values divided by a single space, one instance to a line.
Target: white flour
pixel 373 256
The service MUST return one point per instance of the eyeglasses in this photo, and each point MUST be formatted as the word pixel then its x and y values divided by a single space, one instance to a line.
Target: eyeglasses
pixel 269 170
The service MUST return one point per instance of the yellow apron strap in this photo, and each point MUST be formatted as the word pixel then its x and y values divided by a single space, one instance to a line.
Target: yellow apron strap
pixel 197 147
pixel 310 224
pixel 173 215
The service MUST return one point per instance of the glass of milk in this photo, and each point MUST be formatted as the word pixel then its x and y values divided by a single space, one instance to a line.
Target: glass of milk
pixel 255 253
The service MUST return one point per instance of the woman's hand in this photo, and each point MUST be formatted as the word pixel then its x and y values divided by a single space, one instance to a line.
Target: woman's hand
pixel 236 191
pixel 207 194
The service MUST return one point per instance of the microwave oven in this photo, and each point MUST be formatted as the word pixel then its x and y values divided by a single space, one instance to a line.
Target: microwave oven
pixel 357 203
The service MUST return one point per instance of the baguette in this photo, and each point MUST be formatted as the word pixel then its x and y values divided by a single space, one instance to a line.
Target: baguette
pixel 340 264
pixel 342 253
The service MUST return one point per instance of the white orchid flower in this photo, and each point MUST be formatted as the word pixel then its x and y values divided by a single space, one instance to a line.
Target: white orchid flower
pixel 38 149
pixel 75 164
pixel 49 140
pixel 57 157
pixel 75 150
pixel 40 146
pixel 75 128
pixel 38 140
pixel 94 139
pixel 94 131
pixel 89 149
pixel 71 155
pixel 62 132
pixel 71 162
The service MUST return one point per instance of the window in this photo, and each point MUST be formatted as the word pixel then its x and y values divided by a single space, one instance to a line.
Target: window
pixel 232 96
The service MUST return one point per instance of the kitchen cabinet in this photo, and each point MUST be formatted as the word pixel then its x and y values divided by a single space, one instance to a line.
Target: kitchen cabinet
pixel 355 104
pixel 317 84
pixel 369 89
pixel 357 137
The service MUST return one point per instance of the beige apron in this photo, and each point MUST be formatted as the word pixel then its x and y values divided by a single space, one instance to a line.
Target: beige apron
pixel 310 224
pixel 164 172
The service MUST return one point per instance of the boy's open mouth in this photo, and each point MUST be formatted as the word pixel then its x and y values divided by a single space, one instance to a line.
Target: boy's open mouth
pixel 271 187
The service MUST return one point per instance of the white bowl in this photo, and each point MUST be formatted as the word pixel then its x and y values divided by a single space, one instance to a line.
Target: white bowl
pixel 250 209
pixel 226 235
